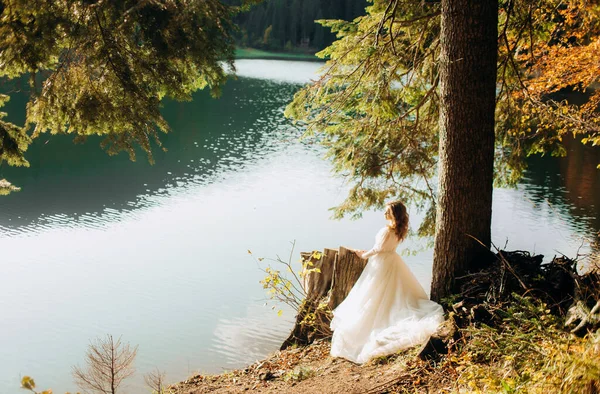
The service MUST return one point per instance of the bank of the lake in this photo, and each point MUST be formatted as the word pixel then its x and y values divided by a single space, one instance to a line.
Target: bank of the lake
pixel 571 368
pixel 253 53
pixel 515 325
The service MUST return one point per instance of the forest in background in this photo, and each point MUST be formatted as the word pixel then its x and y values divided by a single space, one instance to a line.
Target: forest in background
pixel 289 25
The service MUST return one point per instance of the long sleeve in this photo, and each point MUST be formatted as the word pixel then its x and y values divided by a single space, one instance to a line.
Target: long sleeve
pixel 382 243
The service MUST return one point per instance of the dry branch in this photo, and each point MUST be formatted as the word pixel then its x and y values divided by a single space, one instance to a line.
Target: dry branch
pixel 108 363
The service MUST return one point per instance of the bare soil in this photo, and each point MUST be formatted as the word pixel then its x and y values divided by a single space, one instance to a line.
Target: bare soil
pixel 311 370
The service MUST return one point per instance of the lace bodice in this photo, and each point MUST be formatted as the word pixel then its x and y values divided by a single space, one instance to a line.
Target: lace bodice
pixel 385 241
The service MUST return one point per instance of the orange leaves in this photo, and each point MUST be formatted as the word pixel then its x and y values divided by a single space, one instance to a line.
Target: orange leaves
pixel 554 45
pixel 548 73
pixel 592 104
pixel 576 67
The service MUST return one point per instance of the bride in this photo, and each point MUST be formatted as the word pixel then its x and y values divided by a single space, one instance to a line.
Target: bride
pixel 387 309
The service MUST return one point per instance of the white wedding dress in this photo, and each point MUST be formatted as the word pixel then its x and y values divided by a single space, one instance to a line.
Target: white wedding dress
pixel 387 309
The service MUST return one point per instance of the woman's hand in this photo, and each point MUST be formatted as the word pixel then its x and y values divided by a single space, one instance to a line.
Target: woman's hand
pixel 359 253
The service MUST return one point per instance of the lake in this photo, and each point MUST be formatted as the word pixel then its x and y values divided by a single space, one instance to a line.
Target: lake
pixel 158 254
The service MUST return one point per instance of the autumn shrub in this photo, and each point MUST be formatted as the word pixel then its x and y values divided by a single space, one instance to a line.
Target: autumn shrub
pixel 28 383
pixel 284 285
pixel 528 352
pixel 287 286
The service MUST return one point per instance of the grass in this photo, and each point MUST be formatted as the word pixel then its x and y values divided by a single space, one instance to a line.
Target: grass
pixel 299 374
pixel 251 53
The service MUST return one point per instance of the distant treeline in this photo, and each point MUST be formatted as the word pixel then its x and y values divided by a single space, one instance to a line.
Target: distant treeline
pixel 290 24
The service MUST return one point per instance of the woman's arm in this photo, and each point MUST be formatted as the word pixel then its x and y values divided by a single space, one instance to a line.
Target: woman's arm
pixel 369 253
pixel 377 247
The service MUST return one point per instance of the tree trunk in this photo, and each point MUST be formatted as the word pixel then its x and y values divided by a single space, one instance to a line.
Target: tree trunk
pixel 469 35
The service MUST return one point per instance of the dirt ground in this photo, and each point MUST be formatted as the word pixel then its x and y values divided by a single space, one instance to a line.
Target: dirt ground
pixel 303 371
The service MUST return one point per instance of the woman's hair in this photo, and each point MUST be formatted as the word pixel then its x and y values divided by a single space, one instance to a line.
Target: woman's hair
pixel 399 218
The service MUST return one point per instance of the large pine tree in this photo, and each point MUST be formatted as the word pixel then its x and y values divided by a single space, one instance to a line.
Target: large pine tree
pixel 469 51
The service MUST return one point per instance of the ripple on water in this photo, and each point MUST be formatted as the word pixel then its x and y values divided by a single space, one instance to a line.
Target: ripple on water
pixel 242 340
pixel 234 151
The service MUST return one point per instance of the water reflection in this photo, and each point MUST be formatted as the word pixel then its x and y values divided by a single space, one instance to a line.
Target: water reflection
pixel 278 70
pixel 569 188
pixel 80 186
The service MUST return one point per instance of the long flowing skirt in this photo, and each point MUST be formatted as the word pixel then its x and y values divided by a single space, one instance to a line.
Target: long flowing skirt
pixel 387 310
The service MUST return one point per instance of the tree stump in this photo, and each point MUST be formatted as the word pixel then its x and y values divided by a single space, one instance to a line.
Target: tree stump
pixel 583 315
pixel 346 271
pixel 317 284
pixel 325 290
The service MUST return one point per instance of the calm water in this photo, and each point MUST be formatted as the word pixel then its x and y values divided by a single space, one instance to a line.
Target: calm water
pixel 158 254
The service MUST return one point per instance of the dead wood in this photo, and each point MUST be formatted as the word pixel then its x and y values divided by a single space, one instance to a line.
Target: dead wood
pixel 326 288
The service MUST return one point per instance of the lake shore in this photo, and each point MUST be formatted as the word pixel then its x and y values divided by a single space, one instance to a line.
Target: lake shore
pixel 491 362
pixel 253 53
pixel 494 340
pixel 309 369
pixel 225 159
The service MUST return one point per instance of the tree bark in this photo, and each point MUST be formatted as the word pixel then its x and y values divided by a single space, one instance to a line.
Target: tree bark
pixel 469 48
pixel 347 270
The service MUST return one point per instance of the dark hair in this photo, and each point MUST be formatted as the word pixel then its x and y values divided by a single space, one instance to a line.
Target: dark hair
pixel 399 218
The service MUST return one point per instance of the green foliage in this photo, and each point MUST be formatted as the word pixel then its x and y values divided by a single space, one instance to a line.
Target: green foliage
pixel 373 107
pixel 286 287
pixel 376 105
pixel 299 374
pixel 6 187
pixel 13 140
pixel 103 67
